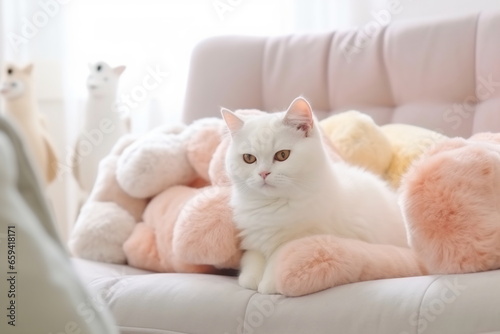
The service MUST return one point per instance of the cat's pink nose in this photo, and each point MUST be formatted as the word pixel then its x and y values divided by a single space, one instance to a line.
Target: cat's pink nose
pixel 264 174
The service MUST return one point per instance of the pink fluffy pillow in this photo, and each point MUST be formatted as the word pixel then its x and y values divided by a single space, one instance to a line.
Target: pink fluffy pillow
pixel 451 201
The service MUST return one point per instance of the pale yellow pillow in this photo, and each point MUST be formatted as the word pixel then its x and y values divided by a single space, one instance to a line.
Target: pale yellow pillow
pixel 387 151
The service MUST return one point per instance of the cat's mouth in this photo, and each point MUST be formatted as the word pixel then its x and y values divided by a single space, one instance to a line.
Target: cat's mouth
pixel 266 184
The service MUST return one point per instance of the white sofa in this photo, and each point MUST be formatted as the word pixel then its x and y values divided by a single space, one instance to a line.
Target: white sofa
pixel 440 74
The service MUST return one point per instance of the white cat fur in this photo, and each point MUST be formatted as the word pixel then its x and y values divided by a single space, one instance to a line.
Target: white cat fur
pixel 304 195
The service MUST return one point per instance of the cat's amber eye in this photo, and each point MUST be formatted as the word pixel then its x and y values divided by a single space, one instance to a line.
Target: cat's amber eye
pixel 282 155
pixel 249 159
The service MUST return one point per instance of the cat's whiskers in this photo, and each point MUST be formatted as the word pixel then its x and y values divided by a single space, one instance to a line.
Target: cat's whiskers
pixel 300 185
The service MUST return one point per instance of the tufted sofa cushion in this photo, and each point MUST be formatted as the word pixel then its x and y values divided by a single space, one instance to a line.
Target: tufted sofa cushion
pixel 439 74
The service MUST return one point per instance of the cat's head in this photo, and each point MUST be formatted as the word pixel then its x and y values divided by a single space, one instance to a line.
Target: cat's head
pixel 103 79
pixel 273 154
pixel 16 80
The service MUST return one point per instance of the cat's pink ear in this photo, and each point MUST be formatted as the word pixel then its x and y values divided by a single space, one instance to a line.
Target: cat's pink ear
pixel 233 122
pixel 299 115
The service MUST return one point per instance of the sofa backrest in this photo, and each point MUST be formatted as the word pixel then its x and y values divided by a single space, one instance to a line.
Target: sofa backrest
pixel 440 74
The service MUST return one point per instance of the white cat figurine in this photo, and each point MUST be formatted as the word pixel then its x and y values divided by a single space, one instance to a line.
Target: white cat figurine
pixel 21 107
pixel 286 187
pixel 102 126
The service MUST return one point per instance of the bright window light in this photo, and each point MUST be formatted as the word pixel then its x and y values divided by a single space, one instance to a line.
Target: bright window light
pixel 159 36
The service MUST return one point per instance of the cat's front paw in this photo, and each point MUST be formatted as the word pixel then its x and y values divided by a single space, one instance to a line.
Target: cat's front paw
pixel 267 287
pixel 252 269
pixel 249 280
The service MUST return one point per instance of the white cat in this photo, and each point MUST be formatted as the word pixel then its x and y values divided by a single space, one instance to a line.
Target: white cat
pixel 286 187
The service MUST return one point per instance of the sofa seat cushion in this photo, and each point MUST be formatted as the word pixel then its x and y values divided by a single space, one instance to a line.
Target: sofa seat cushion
pixel 144 302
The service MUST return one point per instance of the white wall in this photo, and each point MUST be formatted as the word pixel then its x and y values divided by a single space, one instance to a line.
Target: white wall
pixel 438 8
pixel 320 15
pixel 368 10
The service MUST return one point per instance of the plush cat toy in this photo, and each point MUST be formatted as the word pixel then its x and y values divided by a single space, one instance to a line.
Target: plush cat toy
pixel 102 126
pixel 20 106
